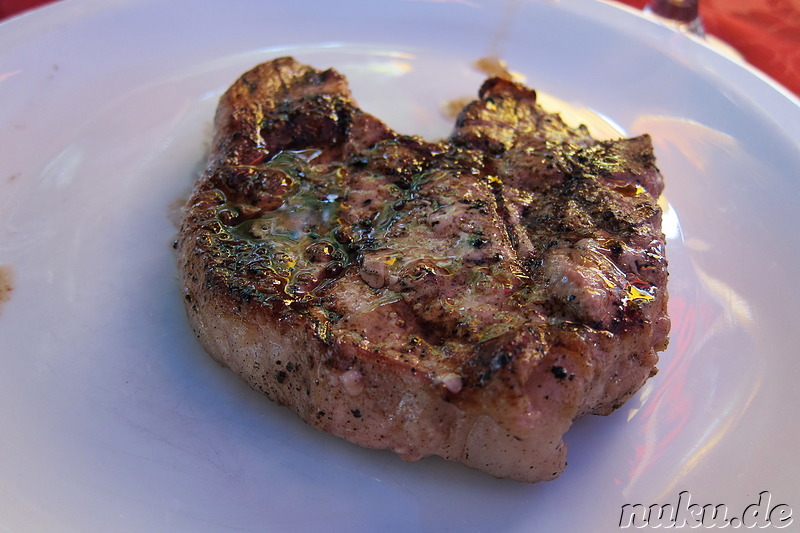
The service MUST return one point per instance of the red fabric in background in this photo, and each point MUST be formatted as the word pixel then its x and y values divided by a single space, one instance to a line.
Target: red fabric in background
pixel 14 7
pixel 765 32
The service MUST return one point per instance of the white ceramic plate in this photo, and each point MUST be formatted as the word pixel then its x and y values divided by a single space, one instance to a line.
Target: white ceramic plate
pixel 112 417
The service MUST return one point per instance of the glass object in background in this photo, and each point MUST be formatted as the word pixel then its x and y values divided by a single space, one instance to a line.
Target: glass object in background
pixel 683 14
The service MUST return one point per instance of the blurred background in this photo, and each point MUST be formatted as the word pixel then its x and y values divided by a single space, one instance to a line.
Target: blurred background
pixel 765 32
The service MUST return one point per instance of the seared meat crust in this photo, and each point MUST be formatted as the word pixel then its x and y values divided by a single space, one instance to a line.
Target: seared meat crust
pixel 467 298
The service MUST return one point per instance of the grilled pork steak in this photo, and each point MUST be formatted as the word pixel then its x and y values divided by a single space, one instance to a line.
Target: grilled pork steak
pixel 467 298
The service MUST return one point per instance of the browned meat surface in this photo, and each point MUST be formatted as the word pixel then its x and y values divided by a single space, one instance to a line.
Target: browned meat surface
pixel 467 298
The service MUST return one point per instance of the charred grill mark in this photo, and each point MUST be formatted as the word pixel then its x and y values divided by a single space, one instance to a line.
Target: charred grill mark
pixel 496 186
pixel 501 356
pixel 490 366
pixel 559 372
